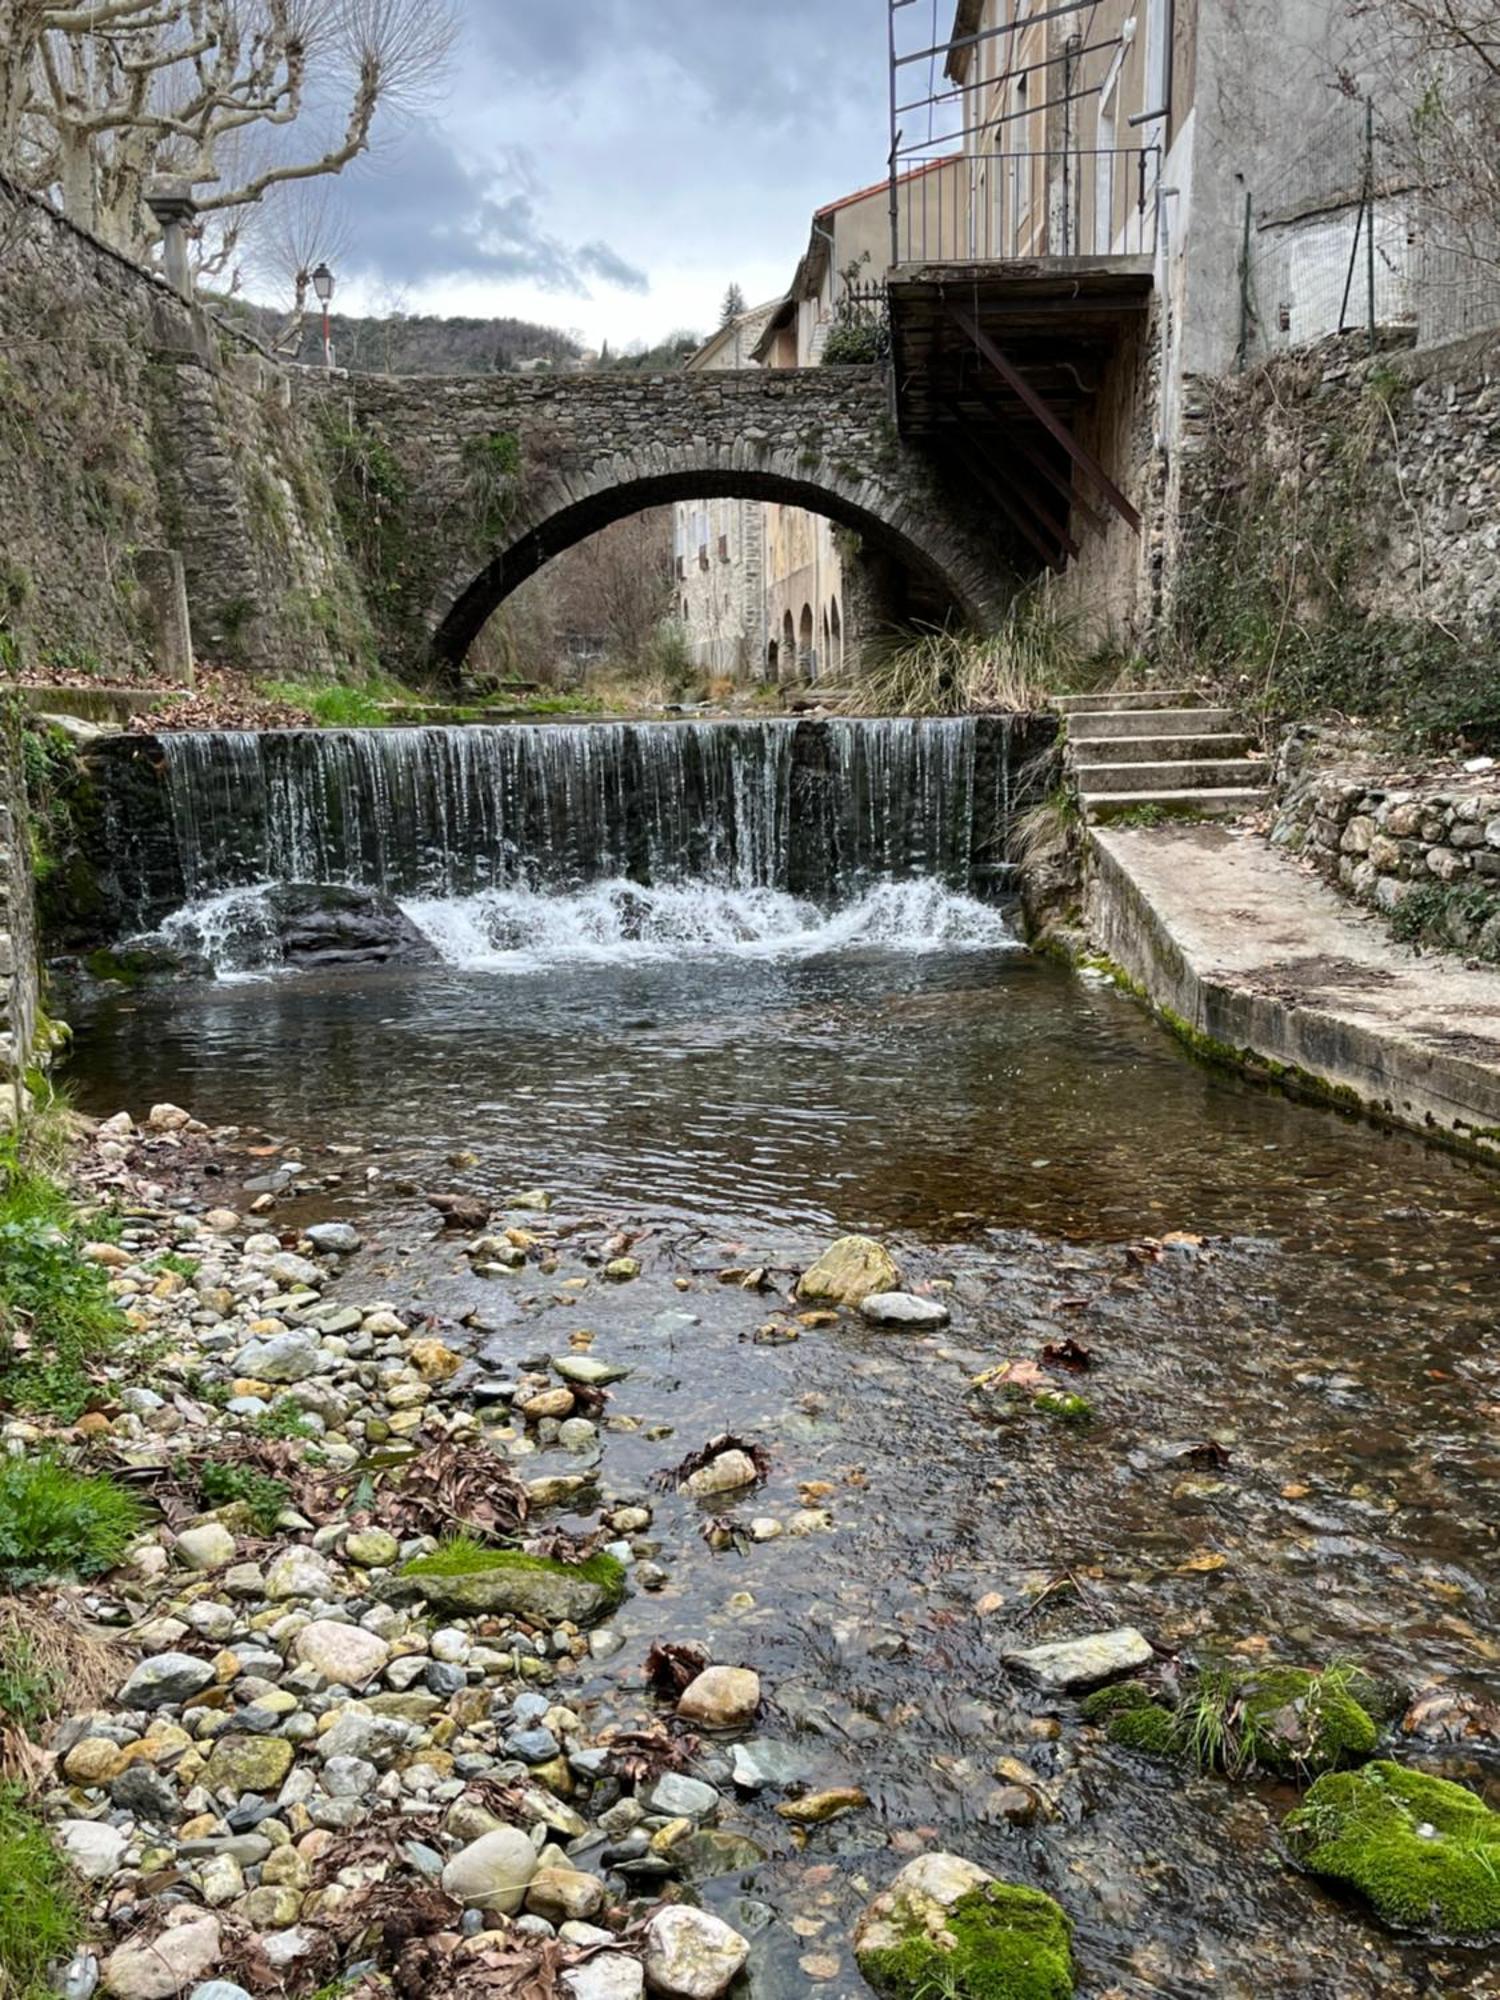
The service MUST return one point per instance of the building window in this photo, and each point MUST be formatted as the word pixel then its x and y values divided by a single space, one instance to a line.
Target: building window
pixel 723 548
pixel 681 568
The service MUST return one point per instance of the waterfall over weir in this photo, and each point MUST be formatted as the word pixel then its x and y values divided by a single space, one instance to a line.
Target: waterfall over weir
pixel 597 838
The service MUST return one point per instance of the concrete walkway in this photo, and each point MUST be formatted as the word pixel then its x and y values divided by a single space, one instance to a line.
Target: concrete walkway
pixel 1232 941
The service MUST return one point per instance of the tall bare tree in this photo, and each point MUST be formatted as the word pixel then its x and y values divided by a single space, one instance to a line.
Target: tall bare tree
pixel 236 97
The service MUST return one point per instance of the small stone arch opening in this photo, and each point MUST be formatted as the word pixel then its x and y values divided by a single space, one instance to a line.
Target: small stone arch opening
pixel 807 659
pixel 835 639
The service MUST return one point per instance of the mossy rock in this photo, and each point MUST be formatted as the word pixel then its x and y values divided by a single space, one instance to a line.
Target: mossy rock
pixel 1423 1852
pixel 463 1579
pixel 945 1927
pixel 1285 1720
pixel 1304 1722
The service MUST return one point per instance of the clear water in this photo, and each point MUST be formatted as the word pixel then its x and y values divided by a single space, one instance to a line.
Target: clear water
pixel 1015 1130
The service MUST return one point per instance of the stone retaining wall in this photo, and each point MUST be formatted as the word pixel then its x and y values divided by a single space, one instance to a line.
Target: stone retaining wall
pixel 1379 843
pixel 18 967
pixel 134 428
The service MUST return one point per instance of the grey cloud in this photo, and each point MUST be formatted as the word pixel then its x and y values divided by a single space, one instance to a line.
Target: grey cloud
pixel 423 214
pixel 776 61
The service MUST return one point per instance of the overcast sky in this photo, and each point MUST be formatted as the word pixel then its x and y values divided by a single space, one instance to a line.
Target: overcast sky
pixel 610 166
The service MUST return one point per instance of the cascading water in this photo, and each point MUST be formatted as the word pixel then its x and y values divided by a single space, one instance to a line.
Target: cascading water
pixel 507 844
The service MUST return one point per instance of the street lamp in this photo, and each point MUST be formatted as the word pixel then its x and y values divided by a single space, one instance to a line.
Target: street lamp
pixel 323 285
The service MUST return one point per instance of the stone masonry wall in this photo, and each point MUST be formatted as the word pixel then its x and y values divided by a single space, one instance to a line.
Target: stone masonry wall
pixel 1381 843
pixel 1338 537
pixel 18 964
pixel 132 424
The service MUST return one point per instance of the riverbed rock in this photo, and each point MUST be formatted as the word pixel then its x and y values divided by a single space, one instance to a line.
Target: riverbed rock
pixel 346 1655
pixel 168 1963
pixel 1082 1663
pixel 280 1358
pixel 321 924
pixel 543 1593
pixel 337 1239
pixel 165 1681
pixel 721 1698
pixel 691 1954
pixel 903 1309
pixel 1423 1851
pixel 564 1895
pixel 493 1872
pixel 93 1847
pixel 946 1924
pixel 301 1573
pixel 725 1474
pixel 613 1975
pixel 850 1270
pixel 249 1764
pixel 209 1547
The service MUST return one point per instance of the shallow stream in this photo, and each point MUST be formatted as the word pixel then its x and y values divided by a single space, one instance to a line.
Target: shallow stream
pixel 1019 1133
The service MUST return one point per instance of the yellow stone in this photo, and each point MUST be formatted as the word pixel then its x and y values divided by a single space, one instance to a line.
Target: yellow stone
pixel 849 1270
pixel 434 1361
pixel 246 1385
pixel 666 1837
pixel 267 1326
pixel 168 1285
pixel 402 1421
pixel 92 1425
pixel 443 1730
pixel 226 1667
pixel 107 1253
pixel 556 1776
pixel 285 1868
pixel 94 1761
pixel 204 1827
pixel 299 1822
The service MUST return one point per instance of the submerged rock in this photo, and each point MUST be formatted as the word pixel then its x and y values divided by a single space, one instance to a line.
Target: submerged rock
pixel 1423 1852
pixel 1072 1663
pixel 849 1271
pixel 1286 1720
pixel 721 1698
pixel 947 1926
pixel 902 1309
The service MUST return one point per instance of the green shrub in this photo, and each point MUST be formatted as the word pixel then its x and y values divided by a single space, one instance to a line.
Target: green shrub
pixel 58 1523
pixel 40 1922
pixel 57 1318
pixel 225 1485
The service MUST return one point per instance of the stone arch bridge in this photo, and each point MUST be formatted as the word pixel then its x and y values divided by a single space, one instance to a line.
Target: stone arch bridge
pixel 453 491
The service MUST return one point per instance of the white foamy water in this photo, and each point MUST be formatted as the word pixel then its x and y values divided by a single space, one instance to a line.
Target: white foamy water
pixel 514 929
pixel 521 930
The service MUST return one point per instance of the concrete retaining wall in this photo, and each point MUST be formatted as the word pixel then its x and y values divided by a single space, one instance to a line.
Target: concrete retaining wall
pixel 1250 961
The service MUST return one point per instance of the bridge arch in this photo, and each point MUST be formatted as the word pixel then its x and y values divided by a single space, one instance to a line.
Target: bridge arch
pixel 573 505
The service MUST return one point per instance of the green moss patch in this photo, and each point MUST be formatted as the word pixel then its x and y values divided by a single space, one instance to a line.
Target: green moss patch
pixel 1287 1721
pixel 463 1559
pixel 1001 1942
pixel 1423 1852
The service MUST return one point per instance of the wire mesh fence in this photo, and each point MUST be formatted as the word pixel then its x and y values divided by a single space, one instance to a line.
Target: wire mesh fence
pixel 1344 237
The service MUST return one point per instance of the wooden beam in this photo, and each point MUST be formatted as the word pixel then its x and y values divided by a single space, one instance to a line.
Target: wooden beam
pixel 1013 509
pixel 971 449
pixel 1049 419
pixel 1038 459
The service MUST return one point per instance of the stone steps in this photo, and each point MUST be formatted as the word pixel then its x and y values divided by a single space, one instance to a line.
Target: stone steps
pixel 1211 747
pixel 1206 775
pixel 1208 804
pixel 1121 703
pixel 1089 725
pixel 1131 752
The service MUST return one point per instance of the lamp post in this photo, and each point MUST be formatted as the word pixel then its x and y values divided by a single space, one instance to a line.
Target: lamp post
pixel 171 202
pixel 323 285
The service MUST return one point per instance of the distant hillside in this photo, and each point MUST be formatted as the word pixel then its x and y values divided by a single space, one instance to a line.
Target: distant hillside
pixel 415 344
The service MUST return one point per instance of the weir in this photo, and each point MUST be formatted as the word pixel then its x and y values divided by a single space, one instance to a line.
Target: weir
pixel 818 812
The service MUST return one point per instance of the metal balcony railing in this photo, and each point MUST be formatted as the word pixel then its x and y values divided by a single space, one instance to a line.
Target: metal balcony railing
pixel 1001 207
